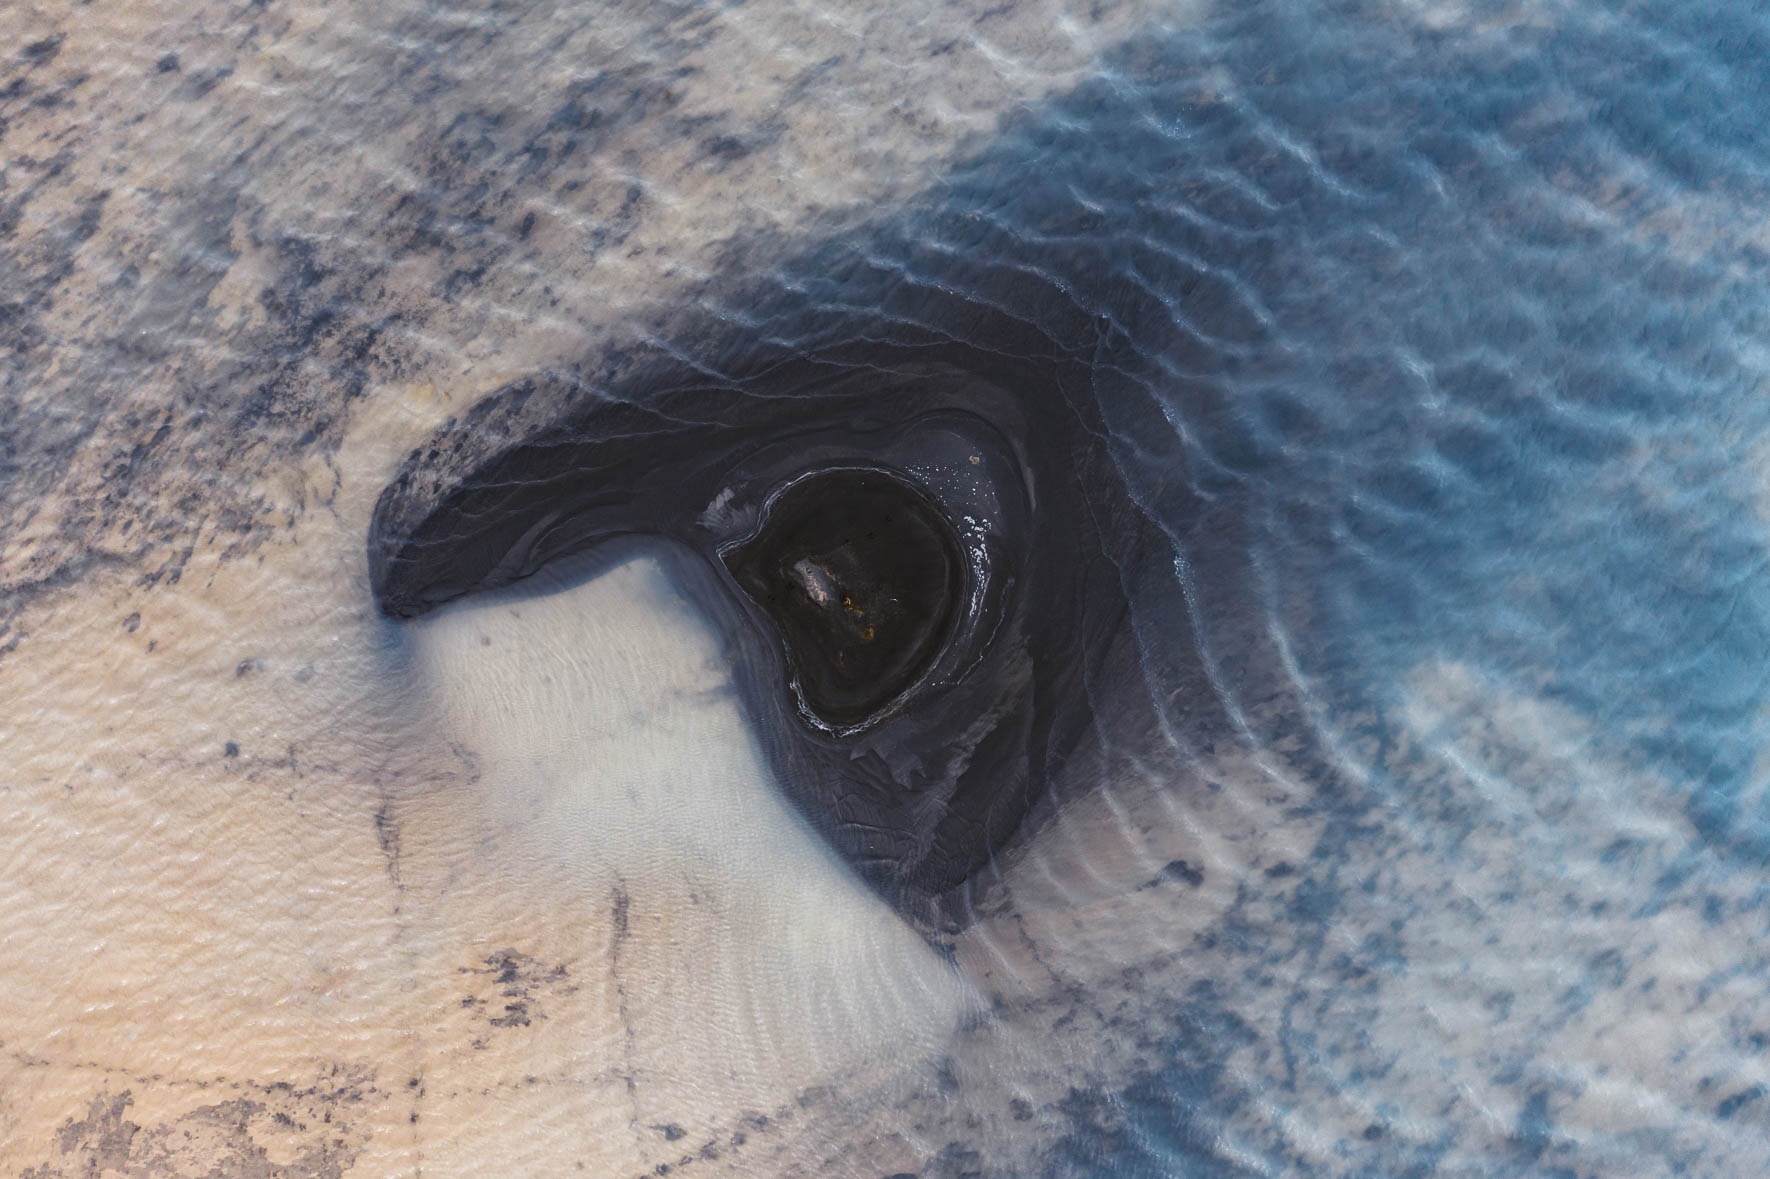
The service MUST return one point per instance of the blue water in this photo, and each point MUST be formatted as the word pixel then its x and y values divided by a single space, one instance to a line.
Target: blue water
pixel 1438 347
pixel 1416 354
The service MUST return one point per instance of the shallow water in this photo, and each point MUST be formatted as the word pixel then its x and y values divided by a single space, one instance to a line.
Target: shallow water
pixel 1414 365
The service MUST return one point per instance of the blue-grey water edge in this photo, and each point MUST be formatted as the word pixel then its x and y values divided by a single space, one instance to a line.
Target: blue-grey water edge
pixel 1461 361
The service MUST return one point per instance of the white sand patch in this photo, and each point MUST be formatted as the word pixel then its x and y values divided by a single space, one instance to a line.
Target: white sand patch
pixel 615 771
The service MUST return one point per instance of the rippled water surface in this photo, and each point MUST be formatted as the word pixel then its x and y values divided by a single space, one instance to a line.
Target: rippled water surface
pixel 1396 378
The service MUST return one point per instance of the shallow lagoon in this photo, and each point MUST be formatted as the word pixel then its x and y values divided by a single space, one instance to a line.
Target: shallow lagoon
pixel 1416 818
